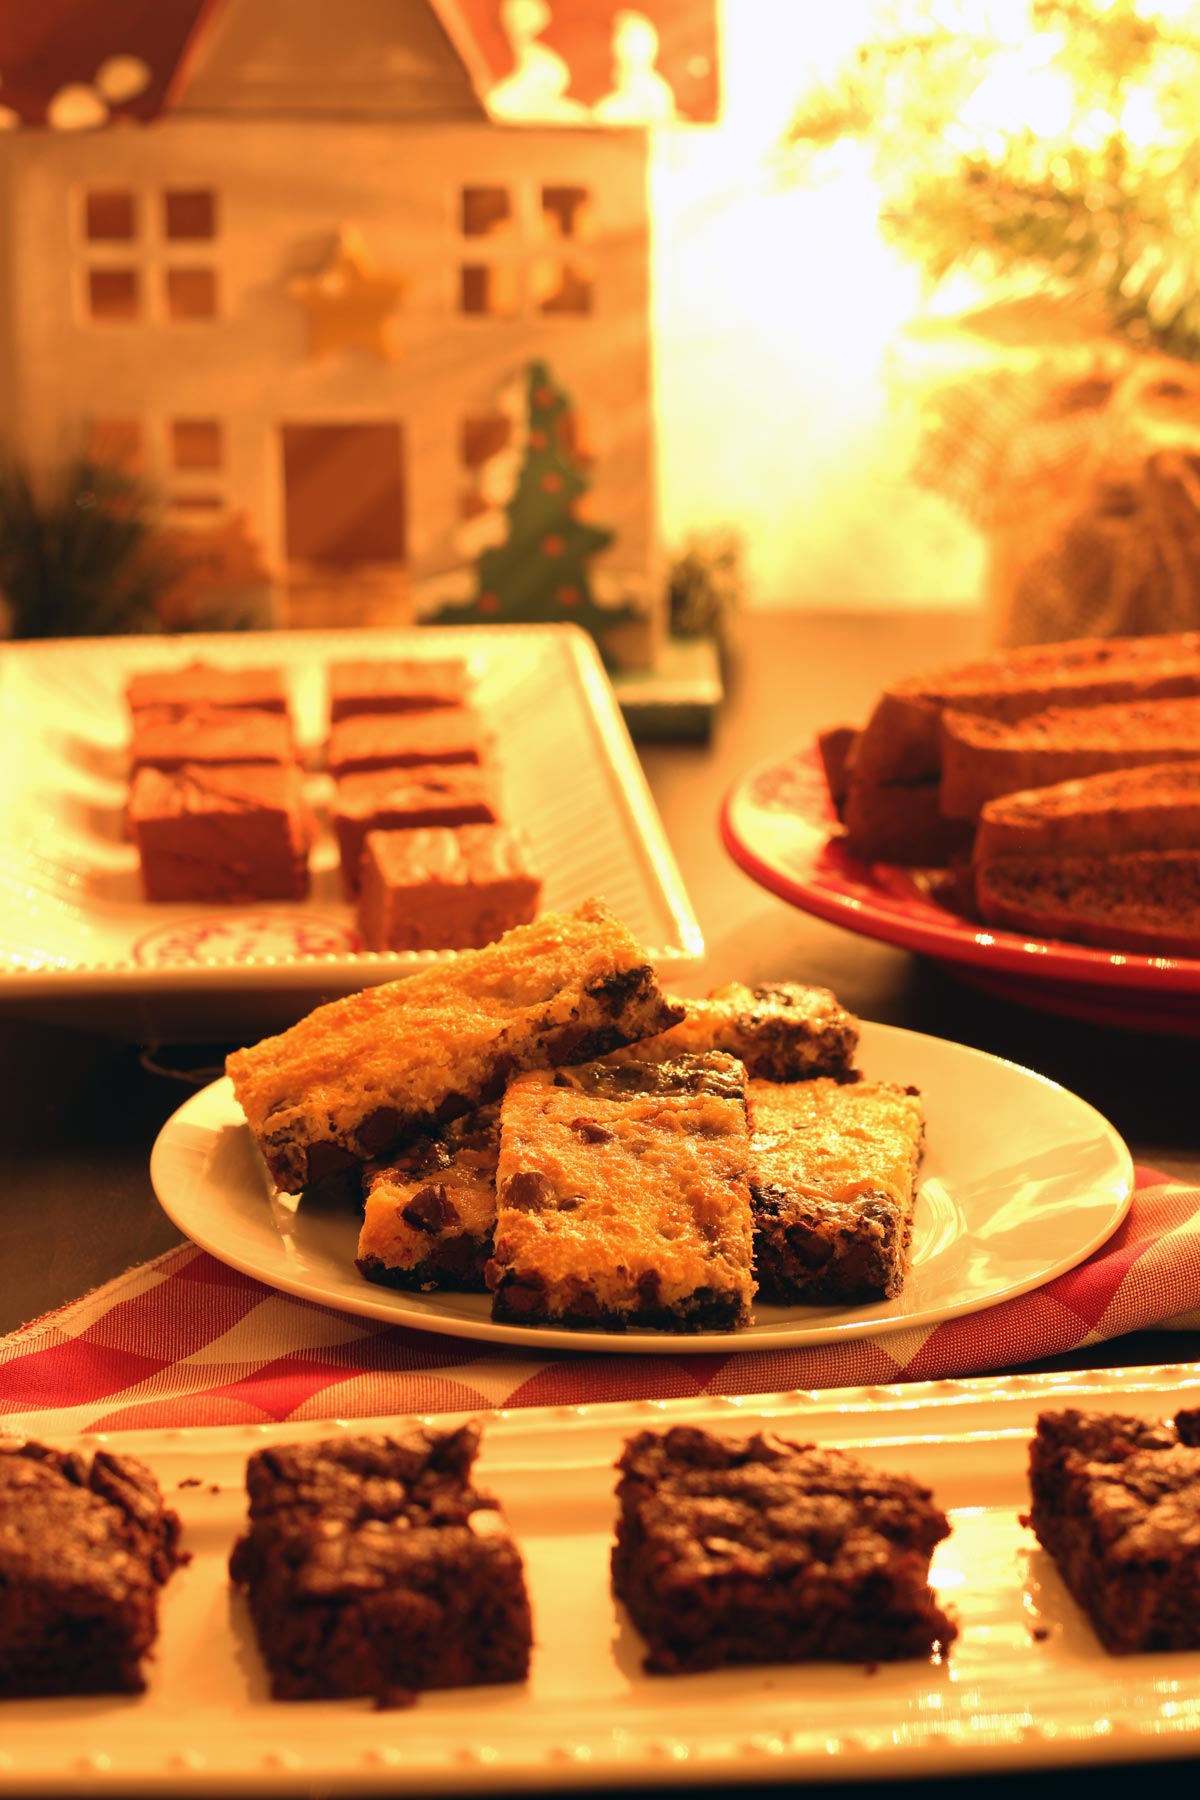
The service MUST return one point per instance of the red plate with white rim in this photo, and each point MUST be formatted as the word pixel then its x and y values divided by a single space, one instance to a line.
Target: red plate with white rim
pixel 779 826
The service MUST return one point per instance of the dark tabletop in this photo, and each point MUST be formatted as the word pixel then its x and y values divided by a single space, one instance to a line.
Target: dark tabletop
pixel 79 1112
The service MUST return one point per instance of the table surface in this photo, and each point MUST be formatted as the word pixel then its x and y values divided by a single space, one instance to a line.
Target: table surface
pixel 78 1113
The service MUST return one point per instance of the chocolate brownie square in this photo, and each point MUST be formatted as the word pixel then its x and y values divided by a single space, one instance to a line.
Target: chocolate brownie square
pixel 85 1548
pixel 758 1550
pixel 623 1199
pixel 442 889
pixel 395 685
pixel 442 794
pixel 833 1173
pixel 163 739
pixel 446 734
pixel 374 1567
pixel 221 832
pixel 430 1214
pixel 1116 1502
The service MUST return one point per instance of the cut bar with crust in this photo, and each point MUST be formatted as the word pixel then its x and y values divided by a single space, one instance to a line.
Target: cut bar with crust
pixel 405 684
pixel 445 734
pixel 833 1175
pixel 757 1550
pixel 430 1213
pixel 781 1030
pixel 901 740
pixel 374 1567
pixel 221 832
pixel 437 888
pixel 622 1197
pixel 1144 902
pixel 401 799
pixel 893 767
pixel 1154 807
pixel 1116 1502
pixel 983 759
pixel 362 1074
pixel 85 1547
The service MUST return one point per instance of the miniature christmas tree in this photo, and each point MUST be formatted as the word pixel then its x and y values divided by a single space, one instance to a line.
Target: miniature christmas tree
pixel 539 572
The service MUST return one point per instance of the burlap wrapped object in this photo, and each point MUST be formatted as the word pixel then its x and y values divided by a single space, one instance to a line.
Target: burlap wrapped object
pixel 1081 464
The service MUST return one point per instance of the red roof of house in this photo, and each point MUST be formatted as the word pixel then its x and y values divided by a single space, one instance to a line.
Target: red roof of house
pixel 56 43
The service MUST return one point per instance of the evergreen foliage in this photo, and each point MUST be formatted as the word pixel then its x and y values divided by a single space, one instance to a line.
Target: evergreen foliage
pixel 540 572
pixel 81 559
pixel 1100 204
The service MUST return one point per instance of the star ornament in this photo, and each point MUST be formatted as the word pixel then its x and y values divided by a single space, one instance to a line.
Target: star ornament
pixel 349 302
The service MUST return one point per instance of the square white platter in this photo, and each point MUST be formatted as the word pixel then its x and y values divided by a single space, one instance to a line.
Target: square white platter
pixel 1026 1684
pixel 78 942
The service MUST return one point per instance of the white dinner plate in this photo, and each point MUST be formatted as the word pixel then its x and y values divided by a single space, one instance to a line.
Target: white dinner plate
pixel 1021 1180
pixel 1025 1685
pixel 79 943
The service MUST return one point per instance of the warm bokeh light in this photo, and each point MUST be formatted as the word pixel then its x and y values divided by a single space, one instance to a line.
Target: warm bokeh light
pixel 776 307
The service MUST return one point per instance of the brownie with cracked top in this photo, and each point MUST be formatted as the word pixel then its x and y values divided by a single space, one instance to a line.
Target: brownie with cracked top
pixel 430 1211
pixel 85 1548
pixel 757 1550
pixel 365 1073
pixel 374 1567
pixel 833 1173
pixel 1116 1502
pixel 782 1031
pixel 623 1199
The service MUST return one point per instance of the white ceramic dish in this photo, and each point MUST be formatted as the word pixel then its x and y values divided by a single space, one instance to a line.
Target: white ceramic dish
pixel 77 941
pixel 1020 1181
pixel 1026 1685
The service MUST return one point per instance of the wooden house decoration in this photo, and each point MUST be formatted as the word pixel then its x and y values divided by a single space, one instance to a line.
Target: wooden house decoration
pixel 289 259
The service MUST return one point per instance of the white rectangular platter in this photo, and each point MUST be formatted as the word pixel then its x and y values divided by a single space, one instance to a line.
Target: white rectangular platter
pixel 1025 1686
pixel 77 941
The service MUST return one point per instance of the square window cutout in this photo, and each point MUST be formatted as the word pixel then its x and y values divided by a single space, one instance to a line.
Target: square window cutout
pixel 486 211
pixel 196 444
pixel 488 289
pixel 189 214
pixel 109 216
pixel 191 294
pixel 113 293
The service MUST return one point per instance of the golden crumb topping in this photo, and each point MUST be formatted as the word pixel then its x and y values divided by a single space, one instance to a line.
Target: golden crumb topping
pixel 596 1193
pixel 826 1141
pixel 399 1044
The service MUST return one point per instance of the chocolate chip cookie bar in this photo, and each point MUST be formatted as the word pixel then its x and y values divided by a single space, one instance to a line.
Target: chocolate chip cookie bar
pixel 623 1199
pixel 374 1567
pixel 430 1211
pixel 782 1031
pixel 1116 1502
pixel 833 1174
pixel 759 1550
pixel 362 1074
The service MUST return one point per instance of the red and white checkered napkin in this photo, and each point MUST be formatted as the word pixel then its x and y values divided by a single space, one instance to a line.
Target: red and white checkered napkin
pixel 184 1340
